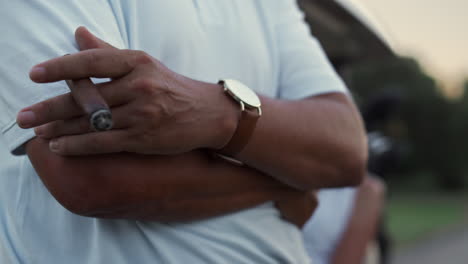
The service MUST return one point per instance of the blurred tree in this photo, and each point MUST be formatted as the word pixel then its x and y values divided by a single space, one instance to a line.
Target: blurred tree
pixel 428 124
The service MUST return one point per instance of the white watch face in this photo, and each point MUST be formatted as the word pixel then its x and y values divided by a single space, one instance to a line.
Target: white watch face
pixel 242 93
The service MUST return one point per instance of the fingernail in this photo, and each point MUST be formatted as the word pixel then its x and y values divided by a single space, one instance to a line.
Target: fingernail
pixel 85 28
pixel 54 145
pixel 37 74
pixel 26 118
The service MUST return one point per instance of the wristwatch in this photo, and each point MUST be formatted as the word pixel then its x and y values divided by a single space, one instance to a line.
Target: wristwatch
pixel 251 110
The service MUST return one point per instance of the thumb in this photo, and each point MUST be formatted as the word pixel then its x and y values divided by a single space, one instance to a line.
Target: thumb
pixel 86 40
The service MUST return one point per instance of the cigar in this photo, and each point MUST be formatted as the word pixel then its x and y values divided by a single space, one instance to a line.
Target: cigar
pixel 87 96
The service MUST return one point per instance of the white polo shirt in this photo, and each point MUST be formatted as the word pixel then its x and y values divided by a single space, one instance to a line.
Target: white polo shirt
pixel 263 43
pixel 324 230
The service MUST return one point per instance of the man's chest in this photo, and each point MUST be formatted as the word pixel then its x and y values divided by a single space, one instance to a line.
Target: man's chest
pixel 203 39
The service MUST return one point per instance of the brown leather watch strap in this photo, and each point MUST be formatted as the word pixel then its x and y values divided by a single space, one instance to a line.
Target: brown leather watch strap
pixel 244 130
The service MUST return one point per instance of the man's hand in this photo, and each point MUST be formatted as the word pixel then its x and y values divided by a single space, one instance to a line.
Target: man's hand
pixel 297 208
pixel 155 110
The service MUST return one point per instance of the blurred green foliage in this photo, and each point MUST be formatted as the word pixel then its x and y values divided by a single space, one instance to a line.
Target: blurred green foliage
pixel 430 129
pixel 415 216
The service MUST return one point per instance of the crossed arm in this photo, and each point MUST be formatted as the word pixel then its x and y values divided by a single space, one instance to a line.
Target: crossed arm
pixel 297 145
pixel 189 186
pixel 150 187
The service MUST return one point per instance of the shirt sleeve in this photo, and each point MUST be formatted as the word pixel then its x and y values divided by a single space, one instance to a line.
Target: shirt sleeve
pixel 303 66
pixel 32 32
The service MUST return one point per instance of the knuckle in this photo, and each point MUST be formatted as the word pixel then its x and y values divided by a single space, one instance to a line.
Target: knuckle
pixel 144 86
pixel 142 57
pixel 44 108
pixel 42 131
pixel 130 61
pixel 52 129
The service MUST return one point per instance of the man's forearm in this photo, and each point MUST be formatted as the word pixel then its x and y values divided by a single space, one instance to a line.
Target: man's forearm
pixel 362 225
pixel 309 144
pixel 185 209
pixel 311 150
pixel 184 187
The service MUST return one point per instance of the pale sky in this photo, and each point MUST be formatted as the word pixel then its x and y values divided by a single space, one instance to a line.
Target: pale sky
pixel 433 31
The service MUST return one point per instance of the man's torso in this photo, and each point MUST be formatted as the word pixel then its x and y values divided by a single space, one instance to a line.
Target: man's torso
pixel 203 39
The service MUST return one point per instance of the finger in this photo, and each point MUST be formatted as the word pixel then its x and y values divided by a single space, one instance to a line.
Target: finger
pixel 111 141
pixel 100 63
pixel 64 107
pixel 49 110
pixel 75 126
pixel 86 40
pixel 81 125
